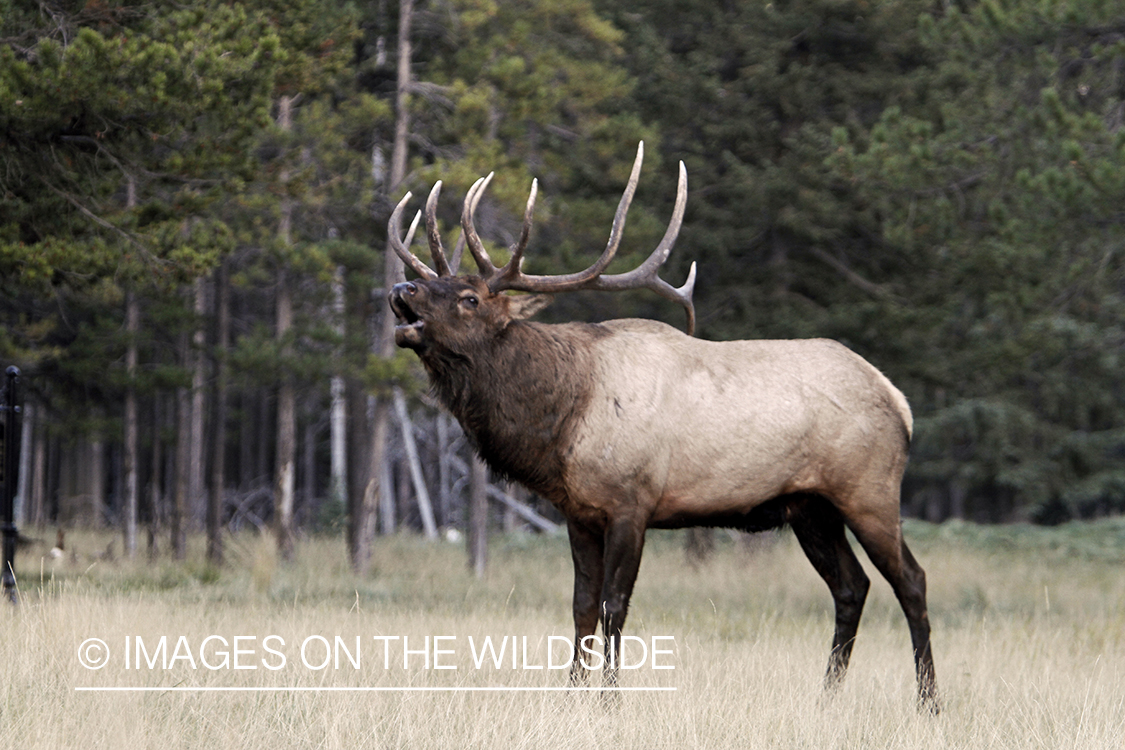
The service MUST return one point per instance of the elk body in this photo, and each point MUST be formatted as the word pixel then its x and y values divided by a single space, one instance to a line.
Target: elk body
pixel 630 424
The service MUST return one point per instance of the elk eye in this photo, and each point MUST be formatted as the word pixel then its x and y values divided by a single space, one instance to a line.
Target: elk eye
pixel 470 301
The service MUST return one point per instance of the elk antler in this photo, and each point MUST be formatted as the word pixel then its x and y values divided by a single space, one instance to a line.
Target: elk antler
pixel 394 236
pixel 511 277
pixel 644 276
pixel 436 251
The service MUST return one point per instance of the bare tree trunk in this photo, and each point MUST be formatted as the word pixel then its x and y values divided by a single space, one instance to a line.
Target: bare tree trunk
pixel 338 410
pixel 380 490
pixel 307 449
pixel 66 478
pixel 402 93
pixel 36 511
pixel 286 456
pixel 444 473
pixel 359 526
pixel 51 500
pixel 199 361
pixel 156 494
pixel 958 495
pixel 27 429
pixel 478 516
pixel 284 481
pixel 219 430
pixel 421 494
pixel 132 328
pixel 129 515
pixel 384 339
pixel 96 480
pixel 178 521
pixel 247 406
pixel 261 432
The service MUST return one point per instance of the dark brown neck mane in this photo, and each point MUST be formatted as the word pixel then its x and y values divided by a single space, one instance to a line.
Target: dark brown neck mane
pixel 520 398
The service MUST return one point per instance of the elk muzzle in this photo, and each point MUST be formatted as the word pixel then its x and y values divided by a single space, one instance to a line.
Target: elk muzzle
pixel 409 330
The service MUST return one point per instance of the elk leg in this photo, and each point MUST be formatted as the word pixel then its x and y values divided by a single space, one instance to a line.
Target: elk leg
pixel 624 540
pixel 892 557
pixel 587 549
pixel 820 530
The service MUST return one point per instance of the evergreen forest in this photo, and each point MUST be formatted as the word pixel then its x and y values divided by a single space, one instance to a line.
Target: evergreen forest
pixel 193 247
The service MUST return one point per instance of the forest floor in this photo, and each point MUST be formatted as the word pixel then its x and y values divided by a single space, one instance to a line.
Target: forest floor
pixel 1028 635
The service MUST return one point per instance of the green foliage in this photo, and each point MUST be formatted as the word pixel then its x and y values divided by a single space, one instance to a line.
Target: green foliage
pixel 399 371
pixel 940 188
pixel 536 89
pixel 1003 190
pixel 122 129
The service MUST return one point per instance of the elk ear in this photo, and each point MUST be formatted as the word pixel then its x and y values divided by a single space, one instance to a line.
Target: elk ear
pixel 524 306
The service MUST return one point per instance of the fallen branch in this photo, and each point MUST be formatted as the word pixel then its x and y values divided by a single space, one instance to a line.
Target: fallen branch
pixel 520 509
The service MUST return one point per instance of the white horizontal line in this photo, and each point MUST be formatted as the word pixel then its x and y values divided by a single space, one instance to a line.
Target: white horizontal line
pixel 294 689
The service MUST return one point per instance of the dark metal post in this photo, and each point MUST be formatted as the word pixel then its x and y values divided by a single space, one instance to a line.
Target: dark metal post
pixel 9 477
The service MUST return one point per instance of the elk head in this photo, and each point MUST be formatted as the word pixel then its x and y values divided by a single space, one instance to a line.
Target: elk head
pixel 451 311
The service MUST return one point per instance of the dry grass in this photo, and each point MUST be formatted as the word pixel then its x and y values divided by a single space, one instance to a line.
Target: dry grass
pixel 1029 638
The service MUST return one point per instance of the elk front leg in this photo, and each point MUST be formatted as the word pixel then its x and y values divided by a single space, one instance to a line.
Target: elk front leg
pixel 624 541
pixel 587 548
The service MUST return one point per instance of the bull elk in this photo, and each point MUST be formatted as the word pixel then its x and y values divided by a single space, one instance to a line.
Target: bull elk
pixel 629 425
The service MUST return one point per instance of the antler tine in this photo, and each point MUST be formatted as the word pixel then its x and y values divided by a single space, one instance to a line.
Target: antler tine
pixel 458 251
pixel 432 233
pixel 512 278
pixel 476 247
pixel 646 275
pixel 413 228
pixel 394 236
pixel 512 268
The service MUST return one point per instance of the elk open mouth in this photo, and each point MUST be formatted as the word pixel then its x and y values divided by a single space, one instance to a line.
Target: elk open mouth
pixel 408 331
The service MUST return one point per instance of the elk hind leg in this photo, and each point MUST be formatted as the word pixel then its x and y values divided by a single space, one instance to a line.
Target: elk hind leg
pixel 819 529
pixel 888 551
pixel 624 541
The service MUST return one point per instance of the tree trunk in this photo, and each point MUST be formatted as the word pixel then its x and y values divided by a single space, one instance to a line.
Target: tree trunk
pixel 384 339
pixel 262 427
pixel 478 516
pixel 284 481
pixel 360 526
pixel 156 493
pixel 129 514
pixel 402 94
pixel 308 457
pixel 51 500
pixel 219 427
pixel 178 521
pixel 198 366
pixel 36 512
pixel 444 473
pixel 338 410
pixel 421 493
pixel 96 480
pixel 23 486
pixel 380 489
pixel 286 455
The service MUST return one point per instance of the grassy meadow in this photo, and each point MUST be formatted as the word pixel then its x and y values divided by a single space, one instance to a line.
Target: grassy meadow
pixel 1028 628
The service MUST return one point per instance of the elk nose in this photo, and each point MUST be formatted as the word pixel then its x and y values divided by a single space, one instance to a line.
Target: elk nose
pixel 404 289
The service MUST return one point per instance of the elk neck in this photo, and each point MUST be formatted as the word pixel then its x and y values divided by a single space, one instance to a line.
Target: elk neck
pixel 520 396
